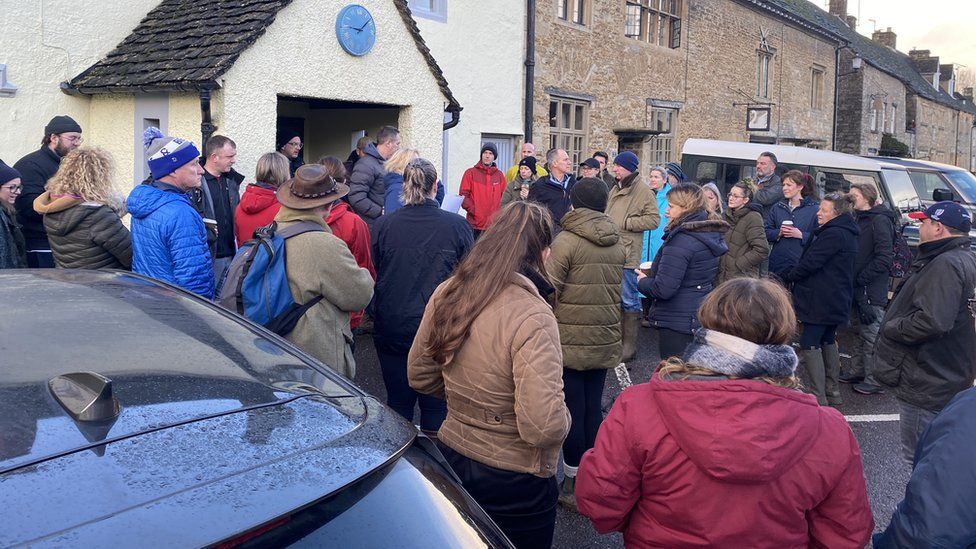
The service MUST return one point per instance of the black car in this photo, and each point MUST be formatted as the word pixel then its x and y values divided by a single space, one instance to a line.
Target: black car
pixel 135 414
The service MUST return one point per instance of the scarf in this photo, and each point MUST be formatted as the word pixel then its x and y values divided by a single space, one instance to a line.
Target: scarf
pixel 736 357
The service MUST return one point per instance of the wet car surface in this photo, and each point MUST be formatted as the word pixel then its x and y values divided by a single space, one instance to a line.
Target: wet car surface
pixel 225 434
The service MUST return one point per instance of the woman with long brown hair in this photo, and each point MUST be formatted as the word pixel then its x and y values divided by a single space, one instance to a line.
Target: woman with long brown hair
pixel 489 344
pixel 81 217
pixel 719 449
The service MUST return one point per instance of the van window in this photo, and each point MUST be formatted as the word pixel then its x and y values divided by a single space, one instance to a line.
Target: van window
pixel 927 182
pixel 830 180
pixel 706 170
pixel 903 194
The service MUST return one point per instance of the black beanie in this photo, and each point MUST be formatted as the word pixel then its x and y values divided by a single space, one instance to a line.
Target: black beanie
pixel 283 137
pixel 61 124
pixel 7 174
pixel 529 162
pixel 590 193
pixel 489 147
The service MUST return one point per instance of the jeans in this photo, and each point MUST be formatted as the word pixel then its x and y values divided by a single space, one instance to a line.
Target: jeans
pixel 40 259
pixel 521 504
pixel 815 336
pixel 629 296
pixel 862 354
pixel 402 398
pixel 671 343
pixel 913 421
pixel 221 265
pixel 584 398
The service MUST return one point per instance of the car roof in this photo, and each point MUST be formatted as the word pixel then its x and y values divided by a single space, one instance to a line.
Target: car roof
pixel 915 163
pixel 785 154
pixel 205 396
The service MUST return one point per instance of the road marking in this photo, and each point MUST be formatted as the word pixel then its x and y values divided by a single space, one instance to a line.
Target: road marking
pixel 869 418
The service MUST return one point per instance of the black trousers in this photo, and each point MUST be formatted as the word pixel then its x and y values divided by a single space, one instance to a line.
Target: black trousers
pixel 672 343
pixel 40 260
pixel 584 398
pixel 521 504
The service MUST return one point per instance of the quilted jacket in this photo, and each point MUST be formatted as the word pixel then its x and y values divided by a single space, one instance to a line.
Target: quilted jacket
pixel 169 241
pixel 84 235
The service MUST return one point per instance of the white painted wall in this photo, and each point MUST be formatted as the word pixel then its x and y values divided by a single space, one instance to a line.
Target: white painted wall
pixel 45 42
pixel 481 49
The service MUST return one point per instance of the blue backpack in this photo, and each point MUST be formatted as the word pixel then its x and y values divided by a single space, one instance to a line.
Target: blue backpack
pixel 256 285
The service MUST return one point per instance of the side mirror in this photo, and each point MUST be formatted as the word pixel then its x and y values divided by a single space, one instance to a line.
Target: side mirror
pixel 940 195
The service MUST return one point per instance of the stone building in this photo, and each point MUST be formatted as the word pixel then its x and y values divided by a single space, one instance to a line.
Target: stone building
pixel 244 69
pixel 911 98
pixel 750 57
pixel 609 75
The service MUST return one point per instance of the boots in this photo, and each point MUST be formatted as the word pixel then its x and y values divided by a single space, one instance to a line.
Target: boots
pixel 814 363
pixel 645 310
pixel 831 359
pixel 567 497
pixel 629 326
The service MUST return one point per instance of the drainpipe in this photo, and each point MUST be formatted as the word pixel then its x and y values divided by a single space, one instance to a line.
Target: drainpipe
pixel 833 127
pixel 455 118
pixel 529 68
pixel 206 123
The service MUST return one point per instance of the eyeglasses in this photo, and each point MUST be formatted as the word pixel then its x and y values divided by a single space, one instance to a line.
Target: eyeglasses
pixel 15 189
pixel 733 195
pixel 296 145
pixel 71 138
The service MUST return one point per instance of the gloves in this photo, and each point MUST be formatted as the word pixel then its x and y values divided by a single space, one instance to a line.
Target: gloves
pixel 865 312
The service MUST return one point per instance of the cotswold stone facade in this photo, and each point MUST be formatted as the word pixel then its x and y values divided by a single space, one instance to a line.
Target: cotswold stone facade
pixel 942 134
pixel 727 72
pixel 597 89
pixel 873 103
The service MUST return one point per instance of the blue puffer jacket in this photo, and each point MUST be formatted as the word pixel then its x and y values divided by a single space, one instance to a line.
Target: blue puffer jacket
pixel 169 241
pixel 683 272
pixel 394 186
pixel 785 253
pixel 938 508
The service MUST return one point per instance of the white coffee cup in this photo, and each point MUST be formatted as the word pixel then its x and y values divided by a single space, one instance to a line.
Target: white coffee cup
pixel 645 267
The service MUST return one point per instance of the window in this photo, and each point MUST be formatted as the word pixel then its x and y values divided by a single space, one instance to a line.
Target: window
pixel 661 144
pixel 816 88
pixel 875 115
pixel 657 22
pixel 429 9
pixel 884 116
pixel 763 64
pixel 572 10
pixel 926 183
pixel 660 149
pixel 568 127
pixel 6 88
pixel 894 115
pixel 505 145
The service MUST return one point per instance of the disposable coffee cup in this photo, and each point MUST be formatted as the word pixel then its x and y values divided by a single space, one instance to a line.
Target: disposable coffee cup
pixel 645 267
pixel 210 223
pixel 787 223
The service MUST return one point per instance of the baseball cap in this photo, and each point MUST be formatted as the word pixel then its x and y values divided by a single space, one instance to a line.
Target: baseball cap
pixel 591 163
pixel 948 213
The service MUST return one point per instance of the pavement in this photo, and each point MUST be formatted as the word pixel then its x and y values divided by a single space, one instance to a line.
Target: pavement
pixel 873 419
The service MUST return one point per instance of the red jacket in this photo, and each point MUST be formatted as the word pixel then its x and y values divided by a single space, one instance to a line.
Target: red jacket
pixel 725 464
pixel 353 231
pixel 482 187
pixel 257 208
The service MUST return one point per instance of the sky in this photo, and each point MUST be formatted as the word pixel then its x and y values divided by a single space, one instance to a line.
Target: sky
pixel 943 26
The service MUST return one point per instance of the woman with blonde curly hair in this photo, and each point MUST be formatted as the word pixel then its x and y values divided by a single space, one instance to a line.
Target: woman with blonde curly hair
pixel 720 449
pixel 80 213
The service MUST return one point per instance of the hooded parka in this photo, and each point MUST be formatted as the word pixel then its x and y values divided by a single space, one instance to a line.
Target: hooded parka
pixel 633 208
pixel 320 264
pixel 84 235
pixel 725 463
pixel 585 270
pixel 684 271
pixel 823 280
pixel 257 208
pixel 482 187
pixel 503 386
pixel 747 243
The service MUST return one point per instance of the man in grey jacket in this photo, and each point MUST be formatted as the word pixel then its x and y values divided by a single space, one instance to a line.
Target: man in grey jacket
pixel 926 351
pixel 770 186
pixel 366 186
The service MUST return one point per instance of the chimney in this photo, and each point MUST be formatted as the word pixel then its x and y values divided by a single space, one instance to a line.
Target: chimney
pixel 885 37
pixel 919 55
pixel 838 8
pixel 852 22
pixel 967 93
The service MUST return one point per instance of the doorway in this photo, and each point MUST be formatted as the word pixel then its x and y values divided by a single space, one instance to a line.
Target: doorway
pixel 329 127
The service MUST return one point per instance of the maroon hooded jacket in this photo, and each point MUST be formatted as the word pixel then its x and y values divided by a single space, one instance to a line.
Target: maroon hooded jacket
pixel 731 463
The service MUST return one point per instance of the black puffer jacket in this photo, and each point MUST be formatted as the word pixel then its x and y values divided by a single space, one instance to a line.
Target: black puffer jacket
pixel 875 252
pixel 84 235
pixel 926 351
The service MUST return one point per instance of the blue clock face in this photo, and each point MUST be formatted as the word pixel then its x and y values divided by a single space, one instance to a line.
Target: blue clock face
pixel 356 30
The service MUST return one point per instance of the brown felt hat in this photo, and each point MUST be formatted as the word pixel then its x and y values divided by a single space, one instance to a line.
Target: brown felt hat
pixel 311 187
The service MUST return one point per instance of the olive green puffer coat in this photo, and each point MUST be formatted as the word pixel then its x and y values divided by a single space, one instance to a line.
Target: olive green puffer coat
pixel 84 235
pixel 747 244
pixel 585 268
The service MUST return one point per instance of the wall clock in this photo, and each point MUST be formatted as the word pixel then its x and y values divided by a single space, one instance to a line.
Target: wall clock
pixel 356 30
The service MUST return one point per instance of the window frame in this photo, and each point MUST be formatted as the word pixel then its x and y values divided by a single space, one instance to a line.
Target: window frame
pixel 817 84
pixel 658 22
pixel 764 64
pixel 568 137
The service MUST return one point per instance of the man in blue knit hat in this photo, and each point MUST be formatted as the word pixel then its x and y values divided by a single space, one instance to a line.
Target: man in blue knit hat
pixel 169 240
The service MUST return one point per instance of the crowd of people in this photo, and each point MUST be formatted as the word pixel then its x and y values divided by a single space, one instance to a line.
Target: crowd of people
pixel 501 325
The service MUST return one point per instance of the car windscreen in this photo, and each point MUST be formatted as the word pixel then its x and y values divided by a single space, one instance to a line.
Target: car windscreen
pixel 964 183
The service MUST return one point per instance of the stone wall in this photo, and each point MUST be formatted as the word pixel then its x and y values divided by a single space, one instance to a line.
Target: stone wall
pixel 598 62
pixel 942 134
pixel 857 94
pixel 722 76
